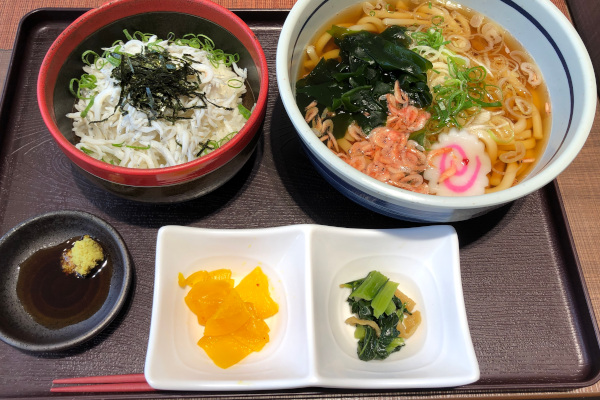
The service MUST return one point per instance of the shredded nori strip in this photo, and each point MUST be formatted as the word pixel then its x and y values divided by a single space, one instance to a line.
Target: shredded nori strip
pixel 211 145
pixel 153 82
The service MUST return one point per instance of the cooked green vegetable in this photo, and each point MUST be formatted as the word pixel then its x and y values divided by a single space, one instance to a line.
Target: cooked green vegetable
pixel 373 347
pixel 373 300
pixel 359 332
pixel 369 287
pixel 383 299
pixel 357 84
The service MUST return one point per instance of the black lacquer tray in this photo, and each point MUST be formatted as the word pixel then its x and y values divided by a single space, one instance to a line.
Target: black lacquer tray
pixel 527 304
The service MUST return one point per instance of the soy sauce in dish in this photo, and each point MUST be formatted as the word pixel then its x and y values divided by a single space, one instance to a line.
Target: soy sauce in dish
pixel 55 299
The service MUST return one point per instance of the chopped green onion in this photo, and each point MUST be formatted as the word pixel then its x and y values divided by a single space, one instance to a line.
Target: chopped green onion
pixel 154 46
pixel 139 147
pixel 215 56
pixel 131 147
pixel 87 108
pixel 112 162
pixel 244 111
pixel 227 138
pixel 465 89
pixel 211 145
pixel 86 54
pixel 87 81
pixel 137 35
pixel 235 83
pixel 127 35
pixel 432 37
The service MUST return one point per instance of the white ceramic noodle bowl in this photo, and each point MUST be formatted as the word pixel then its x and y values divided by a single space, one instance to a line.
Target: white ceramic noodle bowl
pixel 544 32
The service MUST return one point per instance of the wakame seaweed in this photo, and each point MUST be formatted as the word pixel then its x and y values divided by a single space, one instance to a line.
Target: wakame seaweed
pixel 153 82
pixel 369 66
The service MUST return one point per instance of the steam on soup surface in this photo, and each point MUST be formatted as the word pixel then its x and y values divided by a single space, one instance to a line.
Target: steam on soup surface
pixel 425 96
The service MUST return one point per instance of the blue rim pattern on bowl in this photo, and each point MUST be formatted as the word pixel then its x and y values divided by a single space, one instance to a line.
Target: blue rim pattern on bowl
pixel 559 54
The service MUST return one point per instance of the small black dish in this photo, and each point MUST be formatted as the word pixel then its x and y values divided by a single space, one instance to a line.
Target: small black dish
pixel 17 327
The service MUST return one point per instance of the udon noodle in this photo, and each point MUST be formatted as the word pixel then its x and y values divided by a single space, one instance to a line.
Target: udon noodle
pixel 478 129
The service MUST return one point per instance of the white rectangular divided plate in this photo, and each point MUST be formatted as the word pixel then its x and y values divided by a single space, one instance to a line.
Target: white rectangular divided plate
pixel 310 345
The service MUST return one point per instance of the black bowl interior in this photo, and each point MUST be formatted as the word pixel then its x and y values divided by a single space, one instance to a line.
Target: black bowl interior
pixel 161 24
pixel 17 327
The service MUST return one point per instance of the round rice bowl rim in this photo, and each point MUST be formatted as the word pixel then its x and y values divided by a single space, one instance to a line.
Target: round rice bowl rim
pixel 92 21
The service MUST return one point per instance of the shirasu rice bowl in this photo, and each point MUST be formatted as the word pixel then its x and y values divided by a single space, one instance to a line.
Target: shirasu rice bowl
pixel 116 130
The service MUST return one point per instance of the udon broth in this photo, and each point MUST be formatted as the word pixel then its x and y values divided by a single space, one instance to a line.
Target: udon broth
pixel 489 144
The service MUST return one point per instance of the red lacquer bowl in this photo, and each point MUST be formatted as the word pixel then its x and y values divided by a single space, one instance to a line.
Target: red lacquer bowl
pixel 102 26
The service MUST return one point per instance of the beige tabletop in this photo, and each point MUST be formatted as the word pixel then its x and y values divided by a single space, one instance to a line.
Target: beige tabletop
pixel 578 184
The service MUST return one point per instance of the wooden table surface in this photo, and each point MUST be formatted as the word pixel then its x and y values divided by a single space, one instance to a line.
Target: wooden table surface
pixel 578 185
